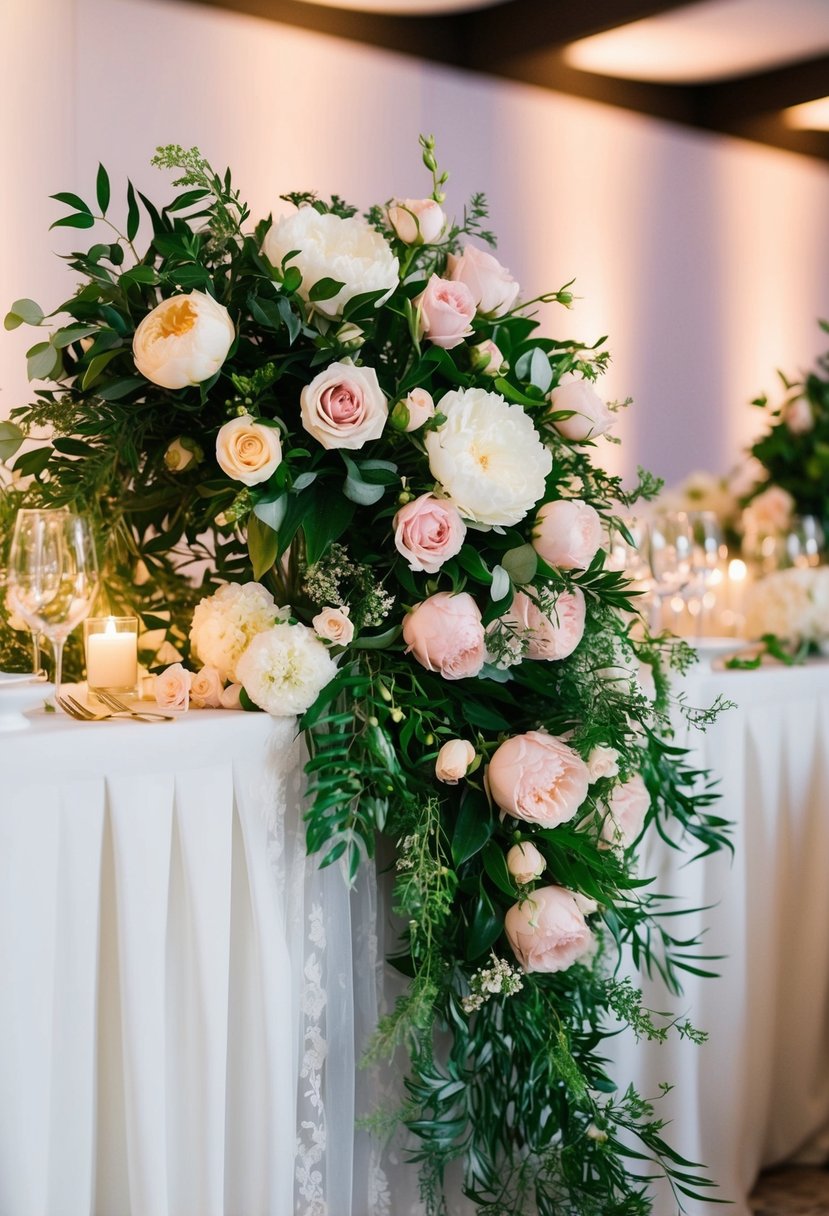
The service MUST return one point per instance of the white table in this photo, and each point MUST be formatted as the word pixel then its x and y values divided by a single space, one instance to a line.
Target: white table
pixel 758 1092
pixel 176 1004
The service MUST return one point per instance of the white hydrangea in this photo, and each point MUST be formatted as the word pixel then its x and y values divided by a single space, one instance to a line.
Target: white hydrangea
pixel 284 670
pixel 488 457
pixel 792 604
pixel 226 622
pixel 331 247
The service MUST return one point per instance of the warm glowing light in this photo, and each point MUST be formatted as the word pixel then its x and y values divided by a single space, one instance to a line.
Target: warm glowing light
pixel 715 577
pixel 737 570
pixel 811 116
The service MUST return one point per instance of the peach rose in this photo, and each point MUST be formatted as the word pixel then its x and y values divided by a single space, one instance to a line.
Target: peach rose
pixel 172 688
pixel 568 534
pixel 206 689
pixel 333 625
pixel 627 806
pixel 446 310
pixel 184 340
pixel 427 532
pixel 590 417
pixel 493 288
pixel 230 697
pixel 547 931
pixel 525 863
pixel 344 406
pixel 537 777
pixel 419 407
pixel 247 450
pixel 453 761
pixel 445 634
pixel 798 416
pixel 553 635
pixel 417 221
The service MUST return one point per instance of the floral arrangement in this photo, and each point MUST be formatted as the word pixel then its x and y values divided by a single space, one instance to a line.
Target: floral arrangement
pixel 791 605
pixel 335 466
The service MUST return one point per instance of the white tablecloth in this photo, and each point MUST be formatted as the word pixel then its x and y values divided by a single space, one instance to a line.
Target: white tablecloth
pixel 176 1002
pixel 758 1091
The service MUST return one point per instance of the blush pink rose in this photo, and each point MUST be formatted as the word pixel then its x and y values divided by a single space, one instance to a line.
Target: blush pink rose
pixel 590 417
pixel 206 689
pixel 420 407
pixel 537 777
pixel 549 636
pixel 417 221
pixel 627 806
pixel 446 310
pixel 547 931
pixel 344 406
pixel 798 416
pixel 453 761
pixel 568 534
pixel 487 358
pixel 172 688
pixel 525 863
pixel 428 531
pixel 445 634
pixel 493 288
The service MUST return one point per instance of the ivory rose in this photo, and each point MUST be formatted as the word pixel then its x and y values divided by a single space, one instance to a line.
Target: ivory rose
pixel 183 341
pixel 411 413
pixel 446 310
pixel 603 761
pixel 567 534
pixel 453 761
pixel 333 625
pixel 549 634
pixel 247 450
pixel 417 221
pixel 493 288
pixel 538 778
pixel 627 806
pixel 547 931
pixel 172 688
pixel 427 532
pixel 344 406
pixel 525 863
pixel 206 689
pixel 445 634
pixel 590 417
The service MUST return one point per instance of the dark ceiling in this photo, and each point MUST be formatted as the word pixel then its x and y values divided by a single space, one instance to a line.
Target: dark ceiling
pixel 524 40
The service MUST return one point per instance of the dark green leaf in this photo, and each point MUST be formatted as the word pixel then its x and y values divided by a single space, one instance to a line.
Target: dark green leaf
pixel 133 214
pixel 263 545
pixel 495 864
pixel 473 827
pixel 32 463
pixel 72 200
pixel 325 289
pixel 486 927
pixel 79 219
pixel 102 190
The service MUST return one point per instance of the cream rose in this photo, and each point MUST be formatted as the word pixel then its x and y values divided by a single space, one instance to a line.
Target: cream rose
pixel 445 634
pixel 344 406
pixel 525 863
pixel 417 221
pixel 284 670
pixel 627 806
pixel 247 450
pixel 427 532
pixel 590 417
pixel 493 288
pixel 603 761
pixel 183 341
pixel 568 534
pixel 206 689
pixel 415 409
pixel 538 778
pixel 547 931
pixel 453 761
pixel 488 457
pixel 172 688
pixel 333 625
pixel 349 251
pixel 552 633
pixel 446 311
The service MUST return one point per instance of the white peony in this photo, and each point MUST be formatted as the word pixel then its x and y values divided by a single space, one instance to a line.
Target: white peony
pixel 330 247
pixel 488 457
pixel 224 624
pixel 183 341
pixel 285 669
pixel 792 604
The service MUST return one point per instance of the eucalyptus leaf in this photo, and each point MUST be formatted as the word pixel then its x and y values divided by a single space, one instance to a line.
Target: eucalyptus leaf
pixel 23 312
pixel 520 564
pixel 42 361
pixel 11 438
pixel 263 545
pixel 272 513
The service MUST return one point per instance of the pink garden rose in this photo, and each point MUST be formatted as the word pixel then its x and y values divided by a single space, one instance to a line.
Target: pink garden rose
pixel 627 806
pixel 417 221
pixel 419 409
pixel 445 634
pixel 493 288
pixel 568 534
pixel 553 636
pixel 525 863
pixel 446 310
pixel 172 688
pixel 590 417
pixel 547 931
pixel 344 406
pixel 537 777
pixel 487 358
pixel 206 689
pixel 453 761
pixel 428 531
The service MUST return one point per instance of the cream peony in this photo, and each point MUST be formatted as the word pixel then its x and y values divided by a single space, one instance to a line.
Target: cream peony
pixel 445 634
pixel 183 341
pixel 538 778
pixel 553 632
pixel 284 669
pixel 333 625
pixel 525 863
pixel 172 688
pixel 344 406
pixel 206 689
pixel 568 534
pixel 247 450
pixel 590 417
pixel 627 806
pixel 547 931
pixel 493 288
pixel 224 624
pixel 453 761
pixel 417 221
pixel 488 457
pixel 446 311
pixel 427 532
pixel 330 247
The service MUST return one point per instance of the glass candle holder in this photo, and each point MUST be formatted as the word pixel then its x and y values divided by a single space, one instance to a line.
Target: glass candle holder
pixel 111 644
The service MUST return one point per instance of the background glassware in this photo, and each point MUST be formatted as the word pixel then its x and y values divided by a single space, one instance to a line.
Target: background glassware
pixel 804 541
pixel 669 547
pixel 53 575
pixel 706 552
pixel 11 604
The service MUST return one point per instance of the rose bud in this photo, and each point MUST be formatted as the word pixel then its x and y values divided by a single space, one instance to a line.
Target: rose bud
pixel 525 863
pixel 453 761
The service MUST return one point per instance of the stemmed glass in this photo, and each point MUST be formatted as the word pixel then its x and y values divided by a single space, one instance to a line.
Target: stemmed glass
pixel 705 561
pixel 11 602
pixel 670 549
pixel 53 575
pixel 804 541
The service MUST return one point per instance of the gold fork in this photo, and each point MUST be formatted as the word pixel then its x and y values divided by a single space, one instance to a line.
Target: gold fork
pixel 81 714
pixel 120 707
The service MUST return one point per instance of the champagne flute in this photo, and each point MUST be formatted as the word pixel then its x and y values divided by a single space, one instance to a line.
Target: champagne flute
pixel 670 548
pixel 53 575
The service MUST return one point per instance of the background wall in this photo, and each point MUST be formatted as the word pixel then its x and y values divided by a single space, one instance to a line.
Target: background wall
pixel 705 259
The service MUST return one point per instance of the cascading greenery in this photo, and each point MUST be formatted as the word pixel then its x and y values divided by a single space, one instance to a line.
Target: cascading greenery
pixel 518 1088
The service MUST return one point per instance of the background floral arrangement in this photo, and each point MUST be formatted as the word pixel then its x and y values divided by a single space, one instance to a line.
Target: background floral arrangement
pixel 333 462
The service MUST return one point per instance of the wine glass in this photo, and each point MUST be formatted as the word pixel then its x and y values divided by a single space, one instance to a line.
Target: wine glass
pixel 11 602
pixel 53 575
pixel 804 541
pixel 705 561
pixel 670 549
